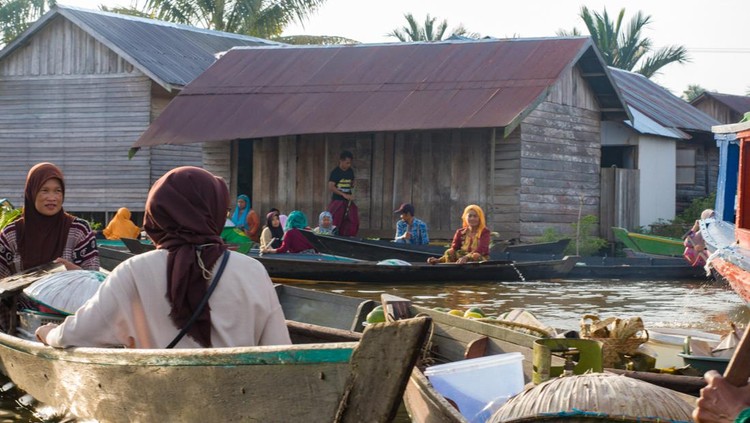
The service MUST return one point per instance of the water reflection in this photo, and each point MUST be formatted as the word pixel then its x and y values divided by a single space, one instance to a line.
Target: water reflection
pixel 676 304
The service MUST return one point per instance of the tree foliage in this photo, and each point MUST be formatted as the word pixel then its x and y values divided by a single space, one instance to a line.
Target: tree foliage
pixel 623 46
pixel 259 18
pixel 692 92
pixel 17 15
pixel 429 31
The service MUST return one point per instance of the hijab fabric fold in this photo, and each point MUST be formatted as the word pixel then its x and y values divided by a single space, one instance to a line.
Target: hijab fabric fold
pixel 185 214
pixel 296 220
pixel 277 232
pixel 41 238
pixel 121 226
pixel 239 217
pixel 480 213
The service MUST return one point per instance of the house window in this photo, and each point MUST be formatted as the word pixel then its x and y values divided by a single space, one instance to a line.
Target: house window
pixel 686 167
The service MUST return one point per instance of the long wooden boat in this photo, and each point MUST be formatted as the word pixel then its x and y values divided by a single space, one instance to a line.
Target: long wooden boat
pixel 377 250
pixel 330 381
pixel 323 268
pixel 650 244
pixel 456 338
pixel 644 268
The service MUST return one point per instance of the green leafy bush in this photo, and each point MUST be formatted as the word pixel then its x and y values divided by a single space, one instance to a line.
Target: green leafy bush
pixel 587 244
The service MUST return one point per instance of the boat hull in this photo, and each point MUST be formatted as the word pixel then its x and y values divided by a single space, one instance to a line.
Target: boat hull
pixel 650 244
pixel 733 267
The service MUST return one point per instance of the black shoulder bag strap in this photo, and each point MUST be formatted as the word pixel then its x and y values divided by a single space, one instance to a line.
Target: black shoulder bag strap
pixel 203 302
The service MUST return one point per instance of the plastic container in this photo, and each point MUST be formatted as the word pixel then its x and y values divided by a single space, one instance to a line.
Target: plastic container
pixel 477 383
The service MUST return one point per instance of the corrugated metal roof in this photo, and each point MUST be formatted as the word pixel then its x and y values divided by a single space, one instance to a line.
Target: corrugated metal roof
pixel 170 53
pixel 659 105
pixel 738 103
pixel 264 92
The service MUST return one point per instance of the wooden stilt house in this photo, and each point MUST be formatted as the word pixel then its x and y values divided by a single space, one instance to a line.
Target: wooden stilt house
pixel 511 125
pixel 80 86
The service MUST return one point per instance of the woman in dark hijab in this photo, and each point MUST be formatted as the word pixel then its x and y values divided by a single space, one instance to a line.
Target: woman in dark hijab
pixel 45 233
pixel 273 233
pixel 185 213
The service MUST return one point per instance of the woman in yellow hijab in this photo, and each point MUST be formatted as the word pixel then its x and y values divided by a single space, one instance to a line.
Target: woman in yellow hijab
pixel 121 226
pixel 471 242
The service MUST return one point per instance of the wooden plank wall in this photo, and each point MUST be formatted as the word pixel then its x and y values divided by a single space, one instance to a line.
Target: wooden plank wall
pixel 560 159
pixel 718 111
pixel 440 172
pixel 506 201
pixel 167 157
pixel 62 48
pixel 619 200
pixel 68 99
pixel 706 170
pixel 85 125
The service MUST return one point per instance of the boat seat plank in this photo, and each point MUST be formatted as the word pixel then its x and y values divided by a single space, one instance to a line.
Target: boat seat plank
pixel 323 308
pixel 390 351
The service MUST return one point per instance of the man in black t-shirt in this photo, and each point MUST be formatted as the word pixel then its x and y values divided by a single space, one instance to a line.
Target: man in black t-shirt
pixel 342 207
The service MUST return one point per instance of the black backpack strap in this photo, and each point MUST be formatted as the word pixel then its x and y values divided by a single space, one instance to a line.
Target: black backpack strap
pixel 203 302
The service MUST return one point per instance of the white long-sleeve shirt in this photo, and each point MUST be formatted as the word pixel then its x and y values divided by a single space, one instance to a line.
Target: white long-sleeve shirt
pixel 131 308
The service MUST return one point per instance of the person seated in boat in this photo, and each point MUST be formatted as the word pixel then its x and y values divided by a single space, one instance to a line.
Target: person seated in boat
pixel 294 241
pixel 121 226
pixel 721 401
pixel 273 233
pixel 325 224
pixel 695 247
pixel 409 229
pixel 245 218
pixel 45 232
pixel 150 298
pixel 235 238
pixel 471 242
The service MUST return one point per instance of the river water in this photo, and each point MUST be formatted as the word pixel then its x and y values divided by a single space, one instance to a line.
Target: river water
pixel 703 305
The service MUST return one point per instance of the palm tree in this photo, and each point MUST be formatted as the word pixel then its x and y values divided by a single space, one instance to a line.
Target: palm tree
pixel 259 18
pixel 17 15
pixel 626 48
pixel 413 31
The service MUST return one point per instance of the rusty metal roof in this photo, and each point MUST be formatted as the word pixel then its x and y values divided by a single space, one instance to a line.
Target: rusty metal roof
pixel 276 91
pixel 660 107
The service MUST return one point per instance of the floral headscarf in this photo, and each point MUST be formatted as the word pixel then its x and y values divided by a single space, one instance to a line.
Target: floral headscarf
pixel 325 230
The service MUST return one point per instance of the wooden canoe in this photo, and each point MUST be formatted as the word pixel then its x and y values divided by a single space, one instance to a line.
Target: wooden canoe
pixel 650 244
pixel 307 382
pixel 323 268
pixel 377 250
pixel 454 338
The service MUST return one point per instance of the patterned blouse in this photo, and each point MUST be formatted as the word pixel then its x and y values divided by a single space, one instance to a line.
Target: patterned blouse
pixel 80 248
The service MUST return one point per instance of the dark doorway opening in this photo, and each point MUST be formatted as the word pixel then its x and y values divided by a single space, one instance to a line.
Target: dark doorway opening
pixel 245 168
pixel 622 157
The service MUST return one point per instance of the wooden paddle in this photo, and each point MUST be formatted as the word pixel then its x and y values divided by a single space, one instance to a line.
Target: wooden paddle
pixel 738 370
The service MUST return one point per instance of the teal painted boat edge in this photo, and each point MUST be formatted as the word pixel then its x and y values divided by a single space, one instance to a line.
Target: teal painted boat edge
pixel 237 356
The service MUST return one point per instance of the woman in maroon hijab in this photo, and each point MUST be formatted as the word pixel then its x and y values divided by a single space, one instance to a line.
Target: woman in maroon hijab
pixel 147 300
pixel 45 233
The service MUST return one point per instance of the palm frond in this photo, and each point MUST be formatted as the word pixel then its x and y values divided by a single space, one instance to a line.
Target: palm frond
pixel 663 57
pixel 315 40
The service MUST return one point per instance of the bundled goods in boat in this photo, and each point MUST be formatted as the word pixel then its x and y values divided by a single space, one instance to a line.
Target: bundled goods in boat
pixel 64 292
pixel 596 397
pixel 619 337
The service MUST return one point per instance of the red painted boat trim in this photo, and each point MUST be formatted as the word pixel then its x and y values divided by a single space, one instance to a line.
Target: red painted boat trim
pixel 737 277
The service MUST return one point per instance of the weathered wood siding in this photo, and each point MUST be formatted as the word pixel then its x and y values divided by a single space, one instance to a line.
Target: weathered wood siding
pixel 440 172
pixel 706 170
pixel 68 99
pixel 718 111
pixel 62 48
pixel 166 157
pixel 560 152
pixel 620 200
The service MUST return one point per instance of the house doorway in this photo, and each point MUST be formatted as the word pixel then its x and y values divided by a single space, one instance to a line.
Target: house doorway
pixel 245 168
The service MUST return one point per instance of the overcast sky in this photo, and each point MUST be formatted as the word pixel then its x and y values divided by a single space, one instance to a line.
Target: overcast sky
pixel 712 31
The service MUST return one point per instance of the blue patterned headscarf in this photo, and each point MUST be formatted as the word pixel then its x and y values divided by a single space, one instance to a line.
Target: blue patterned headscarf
pixel 322 229
pixel 296 220
pixel 239 217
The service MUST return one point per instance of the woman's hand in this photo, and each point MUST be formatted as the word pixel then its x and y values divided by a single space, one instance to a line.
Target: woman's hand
pixel 720 401
pixel 68 265
pixel 43 331
pixel 463 259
